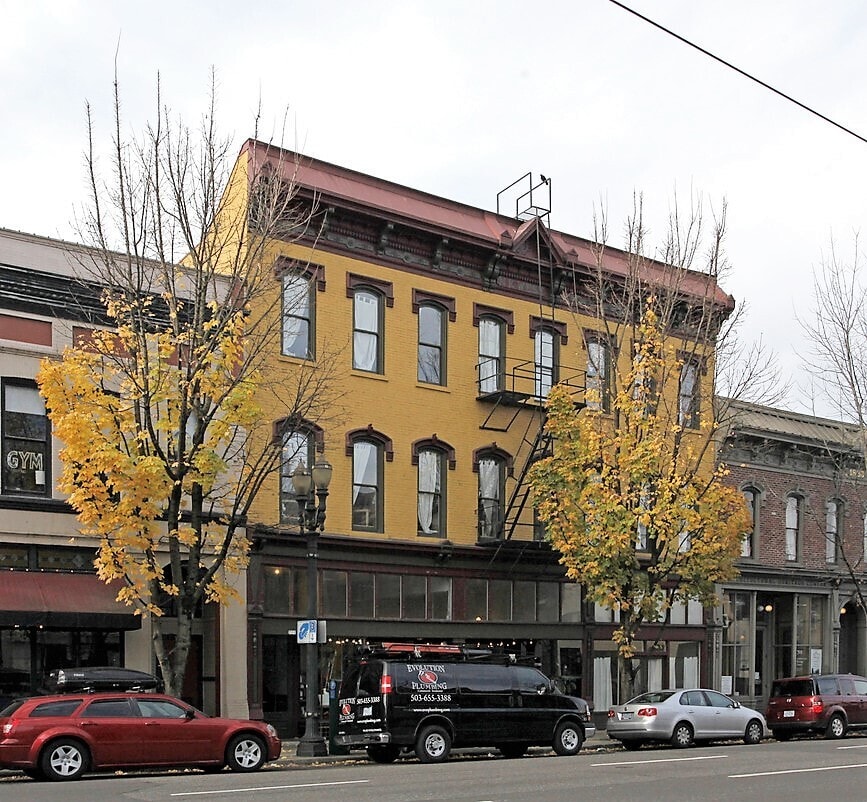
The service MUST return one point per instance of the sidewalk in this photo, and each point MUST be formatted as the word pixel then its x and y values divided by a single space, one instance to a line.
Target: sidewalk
pixel 598 743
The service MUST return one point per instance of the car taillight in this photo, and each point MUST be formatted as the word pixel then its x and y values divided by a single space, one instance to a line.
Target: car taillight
pixel 817 706
pixel 8 727
pixel 385 686
pixel 647 711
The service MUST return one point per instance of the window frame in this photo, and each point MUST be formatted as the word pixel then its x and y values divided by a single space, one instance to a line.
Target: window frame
pixel 794 514
pixel 376 333
pixel 833 540
pixel 750 544
pixel 593 340
pixel 498 503
pixel 438 348
pixel 377 525
pixel 498 360
pixel 44 444
pixel 308 319
pixel 689 404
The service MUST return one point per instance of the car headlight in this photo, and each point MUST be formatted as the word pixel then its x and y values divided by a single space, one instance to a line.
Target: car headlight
pixel 271 731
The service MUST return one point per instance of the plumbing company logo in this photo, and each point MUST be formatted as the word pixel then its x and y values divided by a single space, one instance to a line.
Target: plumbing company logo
pixel 428 678
pixel 346 709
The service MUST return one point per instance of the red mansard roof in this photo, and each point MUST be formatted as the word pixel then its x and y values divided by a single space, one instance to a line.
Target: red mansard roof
pixel 430 212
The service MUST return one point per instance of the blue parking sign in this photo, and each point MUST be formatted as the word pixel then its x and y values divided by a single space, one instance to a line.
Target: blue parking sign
pixel 307 631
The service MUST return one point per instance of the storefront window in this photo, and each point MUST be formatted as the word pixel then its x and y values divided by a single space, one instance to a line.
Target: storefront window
pixel 334 593
pixel 477 600
pixel 441 598
pixel 500 600
pixel 415 597
pixel 737 657
pixel 361 595
pixel 387 596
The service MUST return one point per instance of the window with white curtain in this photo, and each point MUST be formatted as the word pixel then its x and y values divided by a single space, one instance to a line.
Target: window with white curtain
pixel 748 543
pixel 297 451
pixel 598 373
pixel 366 487
pixel 298 298
pixel 832 530
pixel 431 506
pixel 793 527
pixel 491 365
pixel 688 395
pixel 545 362
pixel 367 331
pixel 431 344
pixel 491 481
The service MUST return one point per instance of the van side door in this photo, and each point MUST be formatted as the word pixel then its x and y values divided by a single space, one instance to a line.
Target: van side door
pixel 488 712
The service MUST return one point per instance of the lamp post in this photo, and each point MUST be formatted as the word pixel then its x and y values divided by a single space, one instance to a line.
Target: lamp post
pixel 310 486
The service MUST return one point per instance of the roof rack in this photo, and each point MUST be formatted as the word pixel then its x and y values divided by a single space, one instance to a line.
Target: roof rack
pixel 446 652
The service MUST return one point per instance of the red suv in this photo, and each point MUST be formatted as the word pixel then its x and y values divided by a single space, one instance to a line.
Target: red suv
pixel 830 704
pixel 62 737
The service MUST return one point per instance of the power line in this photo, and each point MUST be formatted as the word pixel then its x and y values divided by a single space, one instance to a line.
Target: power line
pixel 740 71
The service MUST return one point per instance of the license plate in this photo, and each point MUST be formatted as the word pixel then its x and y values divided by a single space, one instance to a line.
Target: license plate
pixel 788 714
pixel 626 716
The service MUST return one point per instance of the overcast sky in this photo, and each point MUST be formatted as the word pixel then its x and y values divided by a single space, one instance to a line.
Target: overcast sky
pixel 460 98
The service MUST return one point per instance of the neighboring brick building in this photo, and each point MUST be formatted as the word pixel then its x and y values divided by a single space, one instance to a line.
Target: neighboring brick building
pixel 792 609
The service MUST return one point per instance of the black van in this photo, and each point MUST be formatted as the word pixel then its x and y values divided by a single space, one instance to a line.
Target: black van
pixel 431 698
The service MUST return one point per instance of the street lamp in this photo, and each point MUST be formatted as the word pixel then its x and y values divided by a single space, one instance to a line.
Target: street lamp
pixel 310 486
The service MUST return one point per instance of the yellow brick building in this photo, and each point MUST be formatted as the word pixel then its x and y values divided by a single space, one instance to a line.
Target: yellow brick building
pixel 445 326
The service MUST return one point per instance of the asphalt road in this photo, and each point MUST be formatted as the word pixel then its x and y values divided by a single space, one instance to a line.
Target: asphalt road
pixel 771 772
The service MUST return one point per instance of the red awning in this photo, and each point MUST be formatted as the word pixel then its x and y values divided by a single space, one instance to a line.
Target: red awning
pixel 69 601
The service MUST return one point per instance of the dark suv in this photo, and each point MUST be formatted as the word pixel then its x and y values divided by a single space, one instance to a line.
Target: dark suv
pixel 829 704
pixel 430 698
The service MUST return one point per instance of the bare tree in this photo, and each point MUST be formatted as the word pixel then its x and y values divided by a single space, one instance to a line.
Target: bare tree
pixel 166 443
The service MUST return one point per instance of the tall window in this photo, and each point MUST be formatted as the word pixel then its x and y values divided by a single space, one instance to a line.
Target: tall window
pixel 545 362
pixel 598 372
pixel 298 317
pixel 492 336
pixel 366 486
pixel 793 527
pixel 431 493
pixel 492 476
pixel 750 540
pixel 297 450
pixel 431 344
pixel 832 530
pixel 688 396
pixel 367 331
pixel 26 441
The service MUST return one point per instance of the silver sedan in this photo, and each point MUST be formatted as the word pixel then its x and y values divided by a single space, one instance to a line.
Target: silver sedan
pixel 682 717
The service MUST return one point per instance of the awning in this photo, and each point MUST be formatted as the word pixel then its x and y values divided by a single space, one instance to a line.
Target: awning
pixel 68 601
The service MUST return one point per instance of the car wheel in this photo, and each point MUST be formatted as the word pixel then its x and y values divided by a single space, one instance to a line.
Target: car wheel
pixel 754 732
pixel 682 736
pixel 246 753
pixel 512 751
pixel 383 754
pixel 836 727
pixel 633 745
pixel 568 738
pixel 64 759
pixel 433 745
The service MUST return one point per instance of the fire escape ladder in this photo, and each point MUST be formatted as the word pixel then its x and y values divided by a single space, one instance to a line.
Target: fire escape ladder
pixel 539 448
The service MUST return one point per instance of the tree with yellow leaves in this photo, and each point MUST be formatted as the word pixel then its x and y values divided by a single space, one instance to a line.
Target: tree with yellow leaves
pixel 631 496
pixel 164 446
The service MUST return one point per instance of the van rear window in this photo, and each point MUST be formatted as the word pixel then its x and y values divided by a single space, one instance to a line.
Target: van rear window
pixel 794 687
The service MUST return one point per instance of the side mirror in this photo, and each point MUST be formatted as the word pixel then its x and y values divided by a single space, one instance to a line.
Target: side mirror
pixel 190 714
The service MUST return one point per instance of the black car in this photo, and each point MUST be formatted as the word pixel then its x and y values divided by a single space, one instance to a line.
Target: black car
pixel 432 698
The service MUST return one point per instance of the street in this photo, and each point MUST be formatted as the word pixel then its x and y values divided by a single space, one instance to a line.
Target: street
pixel 772 772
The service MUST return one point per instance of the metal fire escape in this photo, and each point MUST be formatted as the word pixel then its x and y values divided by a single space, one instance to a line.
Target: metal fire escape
pixel 521 387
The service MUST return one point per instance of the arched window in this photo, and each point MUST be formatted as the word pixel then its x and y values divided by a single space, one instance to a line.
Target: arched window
pixel 598 374
pixel 367 345
pixel 298 298
pixel 492 339
pixel 299 440
pixel 833 517
pixel 492 464
pixel 749 544
pixel 688 394
pixel 793 527
pixel 545 359
pixel 368 449
pixel 431 493
pixel 431 344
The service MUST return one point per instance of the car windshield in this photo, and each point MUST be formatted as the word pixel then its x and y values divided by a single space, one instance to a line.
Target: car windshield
pixel 792 687
pixel 652 698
